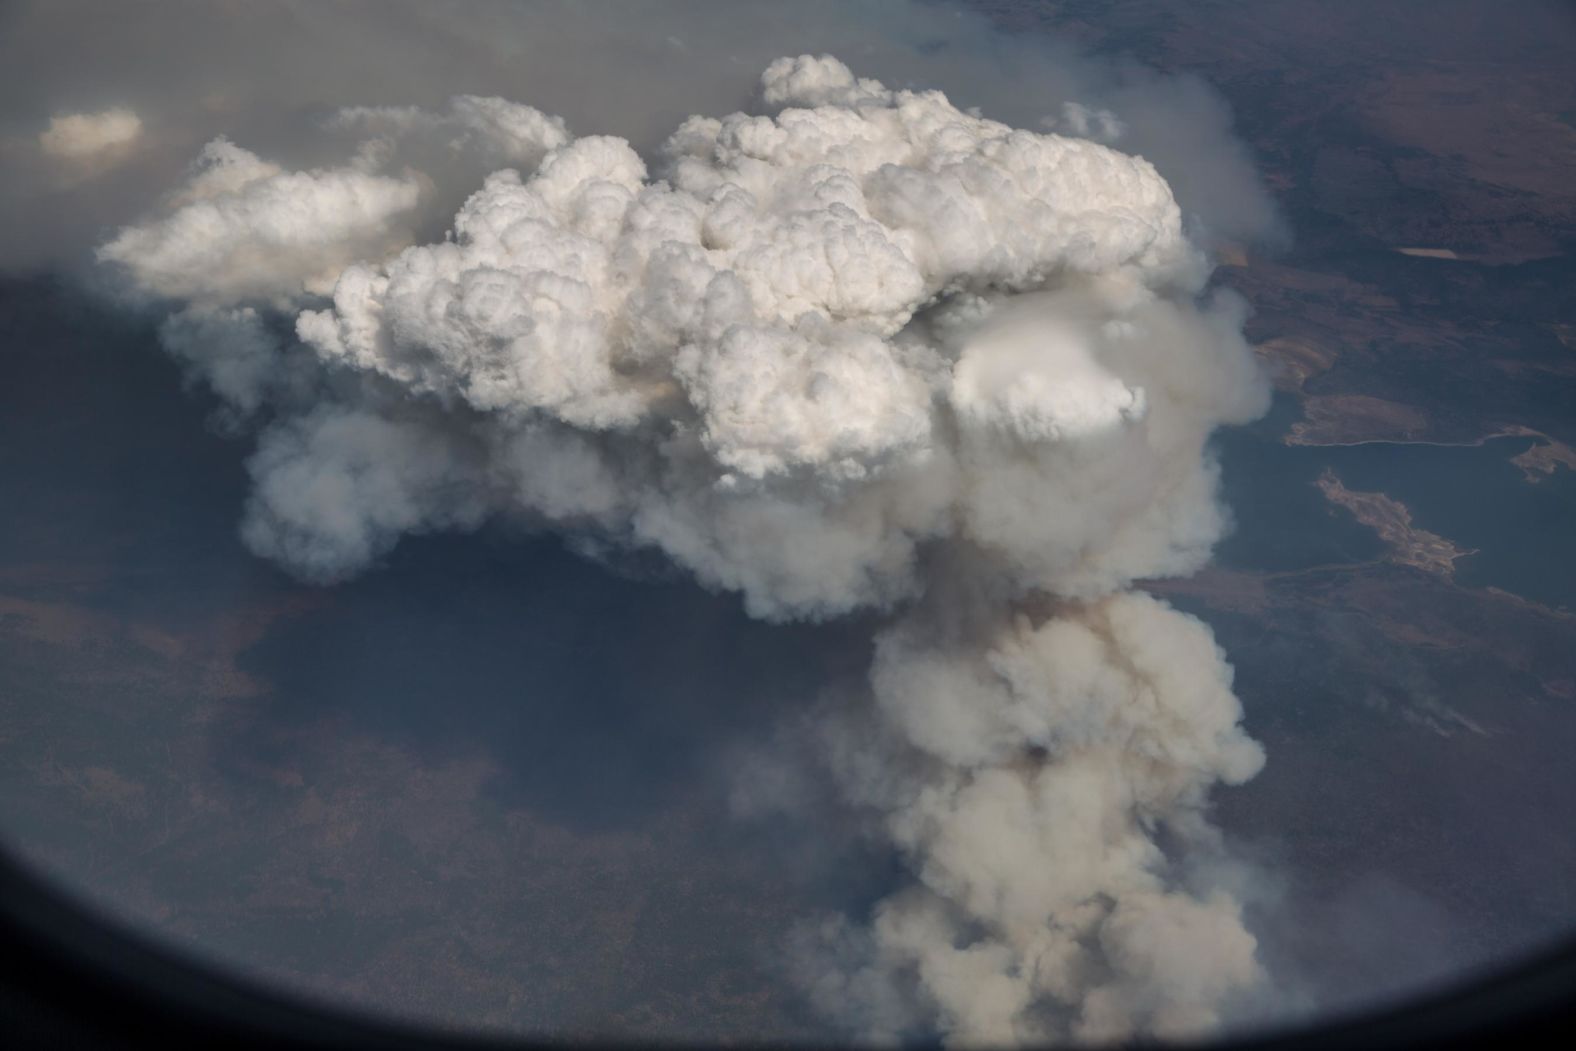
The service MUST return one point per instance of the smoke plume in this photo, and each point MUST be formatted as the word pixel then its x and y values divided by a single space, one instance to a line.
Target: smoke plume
pixel 855 350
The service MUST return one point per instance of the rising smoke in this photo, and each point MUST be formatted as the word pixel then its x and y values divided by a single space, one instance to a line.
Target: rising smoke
pixel 858 350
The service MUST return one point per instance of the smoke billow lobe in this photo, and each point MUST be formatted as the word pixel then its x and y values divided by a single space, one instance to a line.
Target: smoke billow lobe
pixel 858 351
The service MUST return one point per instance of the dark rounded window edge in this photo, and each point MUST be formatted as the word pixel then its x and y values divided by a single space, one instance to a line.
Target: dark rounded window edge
pixel 70 979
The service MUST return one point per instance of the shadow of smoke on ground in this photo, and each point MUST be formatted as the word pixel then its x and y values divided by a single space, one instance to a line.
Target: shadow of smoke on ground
pixel 596 694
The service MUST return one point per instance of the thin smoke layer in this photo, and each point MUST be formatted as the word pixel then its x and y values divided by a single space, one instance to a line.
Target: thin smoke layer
pixel 857 351
pixel 87 144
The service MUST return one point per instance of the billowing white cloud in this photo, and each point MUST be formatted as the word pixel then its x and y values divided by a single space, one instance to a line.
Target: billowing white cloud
pixel 242 229
pixel 861 351
pixel 1024 766
pixel 494 130
pixel 338 486
pixel 83 136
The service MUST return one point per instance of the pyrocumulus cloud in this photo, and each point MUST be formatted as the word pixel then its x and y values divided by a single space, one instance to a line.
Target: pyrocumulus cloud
pixel 856 351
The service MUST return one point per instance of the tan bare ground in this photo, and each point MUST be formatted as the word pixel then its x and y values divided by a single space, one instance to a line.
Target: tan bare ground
pixel 1293 360
pixel 1391 519
pixel 210 653
pixel 1542 460
pixel 1345 419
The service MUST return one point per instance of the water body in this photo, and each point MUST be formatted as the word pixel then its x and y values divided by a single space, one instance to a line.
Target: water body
pixel 1523 533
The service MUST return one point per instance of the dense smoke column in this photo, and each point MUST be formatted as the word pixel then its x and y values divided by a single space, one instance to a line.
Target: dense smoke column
pixel 861 352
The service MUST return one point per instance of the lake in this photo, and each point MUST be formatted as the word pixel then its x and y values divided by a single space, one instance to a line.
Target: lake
pixel 1473 495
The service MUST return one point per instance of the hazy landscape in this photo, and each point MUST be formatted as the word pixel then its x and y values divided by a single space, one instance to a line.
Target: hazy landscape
pixel 513 775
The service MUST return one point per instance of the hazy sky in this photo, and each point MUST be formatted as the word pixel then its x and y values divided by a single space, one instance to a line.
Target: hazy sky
pixel 266 75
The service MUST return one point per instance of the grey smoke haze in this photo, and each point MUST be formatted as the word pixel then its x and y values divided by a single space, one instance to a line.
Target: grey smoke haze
pixel 824 341
pixel 269 74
